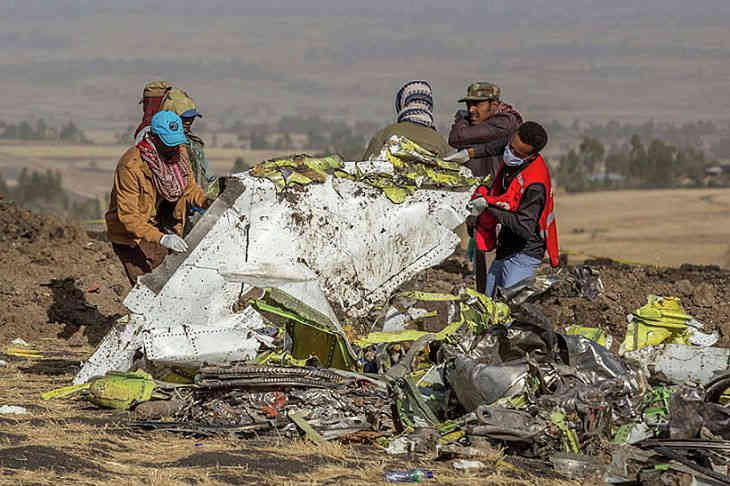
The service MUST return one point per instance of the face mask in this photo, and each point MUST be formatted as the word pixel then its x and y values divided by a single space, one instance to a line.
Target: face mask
pixel 511 159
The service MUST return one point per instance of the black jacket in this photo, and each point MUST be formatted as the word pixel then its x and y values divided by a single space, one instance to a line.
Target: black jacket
pixel 520 231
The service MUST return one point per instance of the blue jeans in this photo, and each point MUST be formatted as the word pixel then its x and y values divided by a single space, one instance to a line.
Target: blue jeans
pixel 509 271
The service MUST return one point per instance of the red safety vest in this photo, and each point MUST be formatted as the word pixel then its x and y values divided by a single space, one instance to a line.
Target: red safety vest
pixel 535 173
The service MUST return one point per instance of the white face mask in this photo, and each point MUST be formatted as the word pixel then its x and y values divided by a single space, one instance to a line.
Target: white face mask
pixel 511 159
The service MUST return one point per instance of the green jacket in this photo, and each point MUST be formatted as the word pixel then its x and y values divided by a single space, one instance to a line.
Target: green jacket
pixel 427 138
pixel 199 162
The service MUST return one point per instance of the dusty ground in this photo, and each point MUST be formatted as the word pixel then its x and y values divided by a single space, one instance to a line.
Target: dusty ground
pixel 57 282
pixel 70 442
pixel 61 290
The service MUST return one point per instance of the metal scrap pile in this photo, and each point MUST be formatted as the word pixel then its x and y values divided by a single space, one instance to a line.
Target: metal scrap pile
pixel 261 399
pixel 493 373
pixel 489 375
pixel 240 336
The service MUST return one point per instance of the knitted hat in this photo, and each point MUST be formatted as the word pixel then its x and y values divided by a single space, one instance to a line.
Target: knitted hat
pixel 414 103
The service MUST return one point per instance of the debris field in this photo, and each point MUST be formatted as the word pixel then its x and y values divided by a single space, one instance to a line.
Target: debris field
pixel 600 373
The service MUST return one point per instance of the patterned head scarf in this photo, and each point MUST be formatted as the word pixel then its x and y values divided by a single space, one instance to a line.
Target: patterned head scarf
pixel 414 103
pixel 170 176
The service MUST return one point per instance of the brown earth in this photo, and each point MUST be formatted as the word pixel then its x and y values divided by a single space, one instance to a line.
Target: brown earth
pixel 61 290
pixel 56 281
pixel 703 289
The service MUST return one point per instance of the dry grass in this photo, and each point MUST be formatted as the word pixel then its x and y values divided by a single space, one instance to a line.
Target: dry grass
pixel 88 169
pixel 665 227
pixel 68 441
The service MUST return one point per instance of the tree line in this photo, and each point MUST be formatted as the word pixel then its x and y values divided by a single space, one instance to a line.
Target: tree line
pixel 327 136
pixel 40 130
pixel 633 164
pixel 44 191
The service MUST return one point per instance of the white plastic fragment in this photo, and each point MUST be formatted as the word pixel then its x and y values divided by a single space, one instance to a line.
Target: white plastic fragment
pixel 19 342
pixel 468 465
pixel 13 409
pixel 3 363
pixel 699 338
pixel 639 432
pixel 394 320
pixel 399 446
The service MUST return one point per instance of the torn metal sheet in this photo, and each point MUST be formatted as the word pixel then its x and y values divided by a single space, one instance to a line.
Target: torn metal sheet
pixel 680 363
pixel 233 339
pixel 475 383
pixel 318 226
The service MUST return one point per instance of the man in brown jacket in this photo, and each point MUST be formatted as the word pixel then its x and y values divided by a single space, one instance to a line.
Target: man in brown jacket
pixel 153 182
pixel 486 120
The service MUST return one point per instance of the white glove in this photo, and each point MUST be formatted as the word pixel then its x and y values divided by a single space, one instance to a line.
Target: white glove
pixel 477 206
pixel 459 157
pixel 174 243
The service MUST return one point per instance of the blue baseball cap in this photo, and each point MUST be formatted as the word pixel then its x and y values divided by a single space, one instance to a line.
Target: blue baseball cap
pixel 191 113
pixel 168 126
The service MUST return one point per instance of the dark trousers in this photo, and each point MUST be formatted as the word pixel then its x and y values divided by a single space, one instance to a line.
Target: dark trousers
pixel 480 270
pixel 140 259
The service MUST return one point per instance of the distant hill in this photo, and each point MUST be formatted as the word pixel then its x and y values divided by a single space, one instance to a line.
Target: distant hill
pixel 560 59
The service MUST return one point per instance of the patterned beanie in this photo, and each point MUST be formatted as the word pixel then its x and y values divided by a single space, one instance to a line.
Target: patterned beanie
pixel 414 103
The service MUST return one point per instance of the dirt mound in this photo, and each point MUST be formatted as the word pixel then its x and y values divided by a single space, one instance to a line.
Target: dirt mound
pixel 22 226
pixel 56 282
pixel 704 291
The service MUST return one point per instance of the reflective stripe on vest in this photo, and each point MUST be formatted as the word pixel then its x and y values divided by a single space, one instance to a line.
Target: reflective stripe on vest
pixel 550 218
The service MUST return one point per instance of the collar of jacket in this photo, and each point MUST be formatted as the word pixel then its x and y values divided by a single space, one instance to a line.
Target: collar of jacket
pixel 145 168
pixel 195 138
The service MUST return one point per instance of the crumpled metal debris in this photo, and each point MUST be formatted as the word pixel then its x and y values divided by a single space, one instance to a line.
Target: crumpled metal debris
pixel 527 290
pixel 247 399
pixel 663 321
pixel 587 281
pixel 476 383
pixel 305 242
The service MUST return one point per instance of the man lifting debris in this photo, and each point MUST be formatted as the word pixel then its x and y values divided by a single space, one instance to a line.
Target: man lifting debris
pixel 153 185
pixel 521 201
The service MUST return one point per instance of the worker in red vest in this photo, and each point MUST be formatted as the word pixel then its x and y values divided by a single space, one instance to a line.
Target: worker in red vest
pixel 521 201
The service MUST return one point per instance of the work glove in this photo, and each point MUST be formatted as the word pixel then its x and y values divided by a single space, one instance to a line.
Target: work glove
pixel 459 157
pixel 174 243
pixel 477 206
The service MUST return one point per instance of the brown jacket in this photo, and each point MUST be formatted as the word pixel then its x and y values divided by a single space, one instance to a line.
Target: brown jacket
pixel 496 127
pixel 132 214
pixel 427 138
